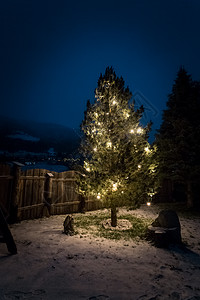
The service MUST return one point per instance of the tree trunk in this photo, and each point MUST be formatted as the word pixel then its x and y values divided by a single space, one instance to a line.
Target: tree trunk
pixel 15 193
pixel 113 216
pixel 190 203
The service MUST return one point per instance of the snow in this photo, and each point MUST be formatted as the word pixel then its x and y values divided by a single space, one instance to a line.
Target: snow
pixel 46 166
pixel 52 265
pixel 23 136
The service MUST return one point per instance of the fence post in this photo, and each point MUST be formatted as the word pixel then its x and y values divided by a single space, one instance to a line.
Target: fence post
pixel 47 194
pixel 15 192
pixel 7 236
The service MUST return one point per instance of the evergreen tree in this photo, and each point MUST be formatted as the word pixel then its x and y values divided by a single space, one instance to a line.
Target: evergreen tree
pixel 178 139
pixel 118 160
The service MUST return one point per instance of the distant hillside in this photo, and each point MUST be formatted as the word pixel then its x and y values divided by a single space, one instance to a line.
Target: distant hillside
pixel 31 136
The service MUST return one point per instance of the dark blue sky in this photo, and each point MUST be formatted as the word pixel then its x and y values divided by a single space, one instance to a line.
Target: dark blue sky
pixel 53 51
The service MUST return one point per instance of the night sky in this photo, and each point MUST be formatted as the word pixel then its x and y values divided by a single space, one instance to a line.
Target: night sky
pixel 52 53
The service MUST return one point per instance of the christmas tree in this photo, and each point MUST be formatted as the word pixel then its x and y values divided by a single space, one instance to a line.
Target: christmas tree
pixel 119 165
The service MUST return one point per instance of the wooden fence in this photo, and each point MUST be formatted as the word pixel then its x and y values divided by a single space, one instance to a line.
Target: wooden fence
pixel 36 193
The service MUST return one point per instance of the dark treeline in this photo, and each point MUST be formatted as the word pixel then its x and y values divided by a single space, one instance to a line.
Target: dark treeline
pixel 178 139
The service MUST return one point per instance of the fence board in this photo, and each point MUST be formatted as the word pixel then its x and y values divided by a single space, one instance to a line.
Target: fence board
pixel 37 187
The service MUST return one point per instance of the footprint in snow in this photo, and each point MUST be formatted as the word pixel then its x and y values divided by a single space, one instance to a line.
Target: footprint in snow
pixel 99 297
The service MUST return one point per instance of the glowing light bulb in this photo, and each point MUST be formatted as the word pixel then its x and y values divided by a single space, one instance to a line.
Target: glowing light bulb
pixel 148 203
pixel 127 115
pixel 132 131
pixel 139 166
pixel 109 145
pixel 114 102
pixel 146 149
pixel 139 130
pixel 114 187
pixel 98 196
pixel 95 149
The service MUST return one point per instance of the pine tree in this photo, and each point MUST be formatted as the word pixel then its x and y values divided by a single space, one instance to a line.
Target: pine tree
pixel 178 139
pixel 118 160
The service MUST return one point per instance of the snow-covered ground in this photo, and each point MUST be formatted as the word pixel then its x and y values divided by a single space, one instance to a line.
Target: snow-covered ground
pixel 52 265
pixel 46 166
